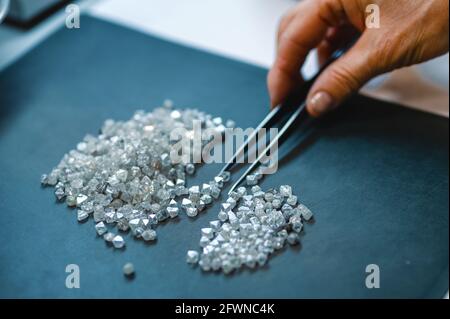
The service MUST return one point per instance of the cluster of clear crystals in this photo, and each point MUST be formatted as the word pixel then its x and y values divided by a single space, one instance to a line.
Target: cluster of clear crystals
pixel 125 178
pixel 251 225
pixel 128 269
pixel 254 179
pixel 199 197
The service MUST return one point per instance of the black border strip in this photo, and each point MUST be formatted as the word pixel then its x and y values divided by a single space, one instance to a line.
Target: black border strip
pixel 291 308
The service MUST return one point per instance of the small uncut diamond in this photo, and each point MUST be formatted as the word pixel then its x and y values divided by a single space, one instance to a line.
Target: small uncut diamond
pixel 305 212
pixel 190 169
pixel 59 193
pixel 128 269
pixel 118 242
pixel 250 227
pixel 149 235
pixel 285 190
pixel 251 180
pixel 81 198
pixel 208 232
pixel 101 228
pixel 191 211
pixel 172 211
pixel 292 200
pixel 82 215
pixel 293 239
pixel 108 237
pixel 192 257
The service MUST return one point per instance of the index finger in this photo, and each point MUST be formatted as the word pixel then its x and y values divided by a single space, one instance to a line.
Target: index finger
pixel 303 34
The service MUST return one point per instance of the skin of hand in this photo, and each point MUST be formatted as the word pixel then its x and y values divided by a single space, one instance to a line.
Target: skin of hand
pixel 409 32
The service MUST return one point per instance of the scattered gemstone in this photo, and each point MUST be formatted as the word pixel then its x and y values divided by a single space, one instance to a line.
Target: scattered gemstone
pixel 223 216
pixel 71 200
pixel 149 235
pixel 77 183
pixel 305 212
pixel 293 239
pixel 250 227
pixel 225 176
pixel 118 241
pixel 215 192
pixel 192 257
pixel 276 203
pixel 255 189
pixel 204 241
pixel 82 215
pixel 219 181
pixel 122 175
pixel 172 211
pixel 123 225
pixel 191 211
pixel 44 179
pixel 128 269
pixel 185 203
pixel 108 237
pixel 190 169
pixel 230 124
pixel 101 228
pixel 215 224
pixel 285 190
pixel 207 199
pixel 251 180
pixel 292 200
pixel 226 207
pixel 81 198
pixel 296 223
pixel 99 214
pixel 59 193
pixel 208 232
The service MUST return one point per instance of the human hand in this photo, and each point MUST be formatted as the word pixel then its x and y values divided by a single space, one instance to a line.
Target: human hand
pixel 410 32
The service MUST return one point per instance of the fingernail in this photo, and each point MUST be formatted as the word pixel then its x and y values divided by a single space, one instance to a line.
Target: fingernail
pixel 321 102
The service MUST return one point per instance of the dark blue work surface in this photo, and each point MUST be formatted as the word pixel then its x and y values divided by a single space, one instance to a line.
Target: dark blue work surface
pixel 374 174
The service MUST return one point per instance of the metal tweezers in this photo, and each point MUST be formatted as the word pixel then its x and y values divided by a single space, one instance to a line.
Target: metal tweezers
pixel 294 109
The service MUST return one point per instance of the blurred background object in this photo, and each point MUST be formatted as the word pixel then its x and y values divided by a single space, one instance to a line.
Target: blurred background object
pixel 4 8
pixel 28 13
pixel 245 30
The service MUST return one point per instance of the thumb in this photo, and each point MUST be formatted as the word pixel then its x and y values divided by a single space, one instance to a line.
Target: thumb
pixel 342 78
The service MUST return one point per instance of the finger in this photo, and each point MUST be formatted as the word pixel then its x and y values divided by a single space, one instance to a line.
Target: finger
pixel 335 38
pixel 343 78
pixel 327 46
pixel 304 32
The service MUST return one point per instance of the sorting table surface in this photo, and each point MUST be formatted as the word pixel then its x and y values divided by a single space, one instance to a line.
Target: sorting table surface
pixel 374 174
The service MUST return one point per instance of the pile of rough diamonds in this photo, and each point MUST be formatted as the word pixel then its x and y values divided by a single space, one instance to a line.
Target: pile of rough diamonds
pixel 124 177
pixel 251 225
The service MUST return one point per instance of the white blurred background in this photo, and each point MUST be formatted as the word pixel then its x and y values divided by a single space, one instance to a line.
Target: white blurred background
pixel 239 29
